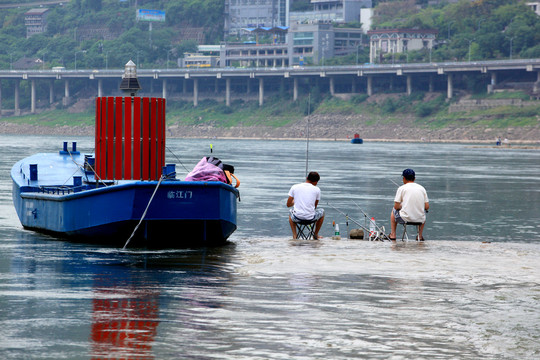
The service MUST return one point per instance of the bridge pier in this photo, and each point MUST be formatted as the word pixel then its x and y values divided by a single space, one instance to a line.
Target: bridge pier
pixel 261 91
pixel 450 87
pixel 332 86
pixel 195 92
pixel 370 85
pixel 51 92
pixel 536 86
pixel 65 100
pixel 295 89
pixel 409 84
pixel 228 91
pixel 493 82
pixel 33 96
pixel 353 85
pixel 100 87
pixel 164 88
pixel 17 109
pixel 430 83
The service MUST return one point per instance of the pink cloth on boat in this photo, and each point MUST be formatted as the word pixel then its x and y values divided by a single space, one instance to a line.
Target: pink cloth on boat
pixel 205 171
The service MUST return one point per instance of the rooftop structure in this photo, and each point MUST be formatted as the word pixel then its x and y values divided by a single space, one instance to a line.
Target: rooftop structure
pixel 331 11
pixel 240 14
pixel 35 21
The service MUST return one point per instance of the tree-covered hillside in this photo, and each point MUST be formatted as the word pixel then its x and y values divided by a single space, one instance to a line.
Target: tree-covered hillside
pixel 104 33
pixel 483 29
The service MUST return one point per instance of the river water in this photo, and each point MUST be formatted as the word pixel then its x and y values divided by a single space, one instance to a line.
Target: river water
pixel 471 291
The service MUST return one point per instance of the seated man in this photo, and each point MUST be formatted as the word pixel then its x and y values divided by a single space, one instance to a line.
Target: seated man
pixel 410 204
pixel 304 198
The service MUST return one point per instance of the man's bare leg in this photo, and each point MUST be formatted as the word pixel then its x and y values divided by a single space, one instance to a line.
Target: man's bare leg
pixel 293 227
pixel 393 225
pixel 420 230
pixel 318 226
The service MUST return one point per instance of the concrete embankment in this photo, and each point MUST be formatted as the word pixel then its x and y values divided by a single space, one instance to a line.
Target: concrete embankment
pixel 324 127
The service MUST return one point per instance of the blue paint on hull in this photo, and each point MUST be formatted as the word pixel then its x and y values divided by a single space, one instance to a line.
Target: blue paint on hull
pixel 181 213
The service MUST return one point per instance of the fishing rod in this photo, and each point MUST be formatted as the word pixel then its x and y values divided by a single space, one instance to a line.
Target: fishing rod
pixel 307 133
pixel 395 183
pixel 377 226
pixel 358 223
pixel 346 216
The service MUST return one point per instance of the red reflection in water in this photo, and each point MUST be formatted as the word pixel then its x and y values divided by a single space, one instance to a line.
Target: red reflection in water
pixel 124 327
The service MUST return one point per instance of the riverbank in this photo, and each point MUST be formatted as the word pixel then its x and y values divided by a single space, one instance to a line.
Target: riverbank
pixel 323 127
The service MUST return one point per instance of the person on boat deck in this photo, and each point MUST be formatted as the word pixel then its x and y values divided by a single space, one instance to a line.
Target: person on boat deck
pixel 410 204
pixel 304 198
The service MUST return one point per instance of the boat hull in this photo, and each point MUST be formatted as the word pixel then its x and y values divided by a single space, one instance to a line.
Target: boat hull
pixel 174 213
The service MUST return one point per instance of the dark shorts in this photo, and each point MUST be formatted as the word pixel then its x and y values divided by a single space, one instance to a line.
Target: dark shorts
pixel 319 213
pixel 399 220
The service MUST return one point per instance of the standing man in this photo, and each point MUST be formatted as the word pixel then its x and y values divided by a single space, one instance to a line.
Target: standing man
pixel 304 198
pixel 410 204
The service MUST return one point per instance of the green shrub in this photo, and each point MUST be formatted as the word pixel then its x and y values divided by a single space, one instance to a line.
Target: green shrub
pixel 389 106
pixel 358 99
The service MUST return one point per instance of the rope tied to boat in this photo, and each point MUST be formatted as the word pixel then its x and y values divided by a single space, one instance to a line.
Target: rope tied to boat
pixel 145 211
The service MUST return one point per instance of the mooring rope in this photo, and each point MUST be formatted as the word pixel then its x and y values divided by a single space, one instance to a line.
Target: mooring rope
pixel 144 213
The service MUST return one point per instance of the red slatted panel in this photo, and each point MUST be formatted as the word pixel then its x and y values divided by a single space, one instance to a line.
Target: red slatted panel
pixel 110 137
pixel 130 137
pixel 127 137
pixel 97 139
pixel 145 138
pixel 163 129
pixel 153 138
pixel 118 119
pixel 103 139
pixel 137 138
pixel 160 153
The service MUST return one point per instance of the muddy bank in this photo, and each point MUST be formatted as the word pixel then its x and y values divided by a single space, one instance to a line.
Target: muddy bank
pixel 329 127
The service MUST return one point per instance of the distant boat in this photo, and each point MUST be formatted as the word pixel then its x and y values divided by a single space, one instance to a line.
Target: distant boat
pixel 356 139
pixel 125 190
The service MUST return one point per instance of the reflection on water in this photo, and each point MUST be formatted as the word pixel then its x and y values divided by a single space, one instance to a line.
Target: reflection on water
pixel 469 292
pixel 125 320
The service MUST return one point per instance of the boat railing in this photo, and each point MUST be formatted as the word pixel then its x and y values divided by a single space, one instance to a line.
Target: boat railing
pixel 63 190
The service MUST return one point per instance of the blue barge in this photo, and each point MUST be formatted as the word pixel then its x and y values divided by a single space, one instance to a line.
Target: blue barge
pixel 64 199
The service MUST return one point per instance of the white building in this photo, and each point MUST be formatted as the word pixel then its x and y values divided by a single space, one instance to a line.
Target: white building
pixel 535 6
pixel 394 41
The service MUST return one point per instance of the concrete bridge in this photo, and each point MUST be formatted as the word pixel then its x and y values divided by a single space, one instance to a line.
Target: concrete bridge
pixel 226 83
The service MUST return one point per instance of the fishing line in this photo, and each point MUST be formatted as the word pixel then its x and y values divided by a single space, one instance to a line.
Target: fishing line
pixel 395 183
pixel 177 159
pixel 307 132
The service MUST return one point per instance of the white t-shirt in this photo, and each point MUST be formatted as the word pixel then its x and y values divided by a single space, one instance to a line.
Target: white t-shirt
pixel 412 197
pixel 305 195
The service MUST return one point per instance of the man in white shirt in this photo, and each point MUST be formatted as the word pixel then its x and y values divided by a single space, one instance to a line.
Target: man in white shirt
pixel 410 204
pixel 304 198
